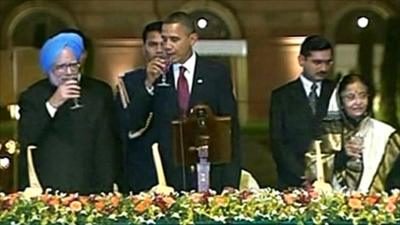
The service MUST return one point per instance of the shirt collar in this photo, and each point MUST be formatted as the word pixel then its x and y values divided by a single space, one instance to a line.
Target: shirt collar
pixel 189 72
pixel 189 64
pixel 308 83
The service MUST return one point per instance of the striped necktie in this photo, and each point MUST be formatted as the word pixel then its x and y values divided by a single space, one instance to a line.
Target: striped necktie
pixel 313 97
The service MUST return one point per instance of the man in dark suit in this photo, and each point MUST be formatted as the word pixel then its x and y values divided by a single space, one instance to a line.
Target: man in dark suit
pixel 192 80
pixel 297 109
pixel 76 148
pixel 138 159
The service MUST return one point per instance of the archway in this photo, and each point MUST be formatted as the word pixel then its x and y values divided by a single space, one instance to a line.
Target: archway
pixel 33 10
pixel 25 29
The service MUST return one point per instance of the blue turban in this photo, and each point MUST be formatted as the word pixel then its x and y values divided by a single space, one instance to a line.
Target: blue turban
pixel 53 47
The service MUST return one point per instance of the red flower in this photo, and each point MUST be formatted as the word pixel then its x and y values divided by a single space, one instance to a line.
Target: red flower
pixel 372 199
pixel 164 202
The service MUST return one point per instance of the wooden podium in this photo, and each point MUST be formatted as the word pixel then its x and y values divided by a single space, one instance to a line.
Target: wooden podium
pixel 202 139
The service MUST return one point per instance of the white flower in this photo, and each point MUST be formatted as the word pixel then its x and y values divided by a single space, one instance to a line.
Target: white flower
pixel 219 218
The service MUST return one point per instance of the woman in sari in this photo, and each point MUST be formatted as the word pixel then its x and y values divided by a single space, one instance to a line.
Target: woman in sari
pixel 358 152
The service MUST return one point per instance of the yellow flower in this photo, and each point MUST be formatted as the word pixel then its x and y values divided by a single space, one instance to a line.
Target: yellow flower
pixel 221 200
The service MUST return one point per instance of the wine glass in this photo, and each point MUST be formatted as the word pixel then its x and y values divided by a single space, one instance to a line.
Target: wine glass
pixel 358 140
pixel 167 65
pixel 356 164
pixel 76 102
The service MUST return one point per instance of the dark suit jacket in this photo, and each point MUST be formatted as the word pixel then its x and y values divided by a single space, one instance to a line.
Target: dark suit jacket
pixel 212 85
pixel 77 150
pixel 292 128
pixel 139 167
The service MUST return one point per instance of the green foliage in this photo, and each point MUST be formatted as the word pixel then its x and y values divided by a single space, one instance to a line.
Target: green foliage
pixel 390 71
pixel 263 206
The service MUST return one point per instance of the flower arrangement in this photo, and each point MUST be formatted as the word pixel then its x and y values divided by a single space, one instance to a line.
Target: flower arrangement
pixel 298 206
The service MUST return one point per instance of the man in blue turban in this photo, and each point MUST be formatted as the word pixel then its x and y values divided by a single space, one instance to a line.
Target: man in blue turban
pixel 76 149
pixel 52 48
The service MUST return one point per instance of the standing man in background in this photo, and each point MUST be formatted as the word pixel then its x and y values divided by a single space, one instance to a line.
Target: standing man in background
pixel 138 160
pixel 76 148
pixel 297 109
pixel 192 80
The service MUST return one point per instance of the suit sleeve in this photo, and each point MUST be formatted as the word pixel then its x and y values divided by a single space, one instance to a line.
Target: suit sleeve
pixel 108 154
pixel 32 128
pixel 228 106
pixel 284 158
pixel 135 117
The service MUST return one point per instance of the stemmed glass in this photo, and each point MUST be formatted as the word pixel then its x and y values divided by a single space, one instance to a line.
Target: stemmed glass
pixel 167 64
pixel 358 140
pixel 76 102
pixel 356 164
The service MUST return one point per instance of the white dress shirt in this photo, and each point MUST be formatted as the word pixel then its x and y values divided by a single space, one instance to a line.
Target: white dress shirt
pixel 308 83
pixel 189 71
pixel 50 109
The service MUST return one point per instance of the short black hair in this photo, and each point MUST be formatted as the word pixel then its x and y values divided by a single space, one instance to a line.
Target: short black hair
pixel 154 26
pixel 183 19
pixel 314 43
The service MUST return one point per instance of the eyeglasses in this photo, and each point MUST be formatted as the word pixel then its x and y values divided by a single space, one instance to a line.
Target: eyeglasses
pixel 352 96
pixel 63 68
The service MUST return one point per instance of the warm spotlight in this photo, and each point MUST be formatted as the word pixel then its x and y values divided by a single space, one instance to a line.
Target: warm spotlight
pixel 202 23
pixel 362 22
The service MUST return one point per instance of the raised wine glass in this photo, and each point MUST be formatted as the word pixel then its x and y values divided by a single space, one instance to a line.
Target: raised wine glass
pixel 76 102
pixel 167 65
pixel 358 140
pixel 356 164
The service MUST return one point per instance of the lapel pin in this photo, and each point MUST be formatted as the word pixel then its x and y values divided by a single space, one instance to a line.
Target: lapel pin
pixel 200 81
